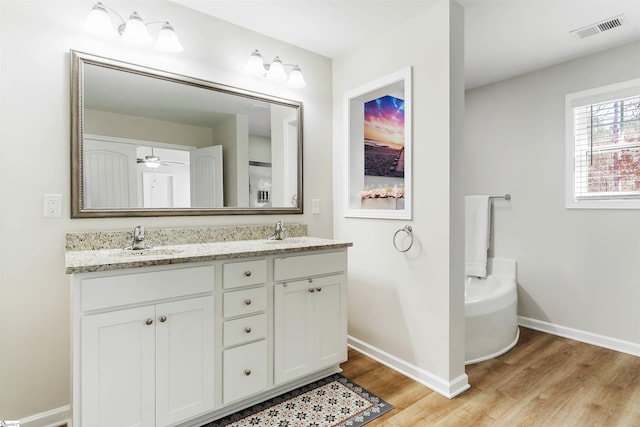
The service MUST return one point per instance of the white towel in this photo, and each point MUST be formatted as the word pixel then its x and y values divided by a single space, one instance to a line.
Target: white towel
pixel 476 223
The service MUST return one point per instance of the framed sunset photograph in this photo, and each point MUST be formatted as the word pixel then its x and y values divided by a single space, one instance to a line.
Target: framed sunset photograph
pixel 384 137
pixel 378 149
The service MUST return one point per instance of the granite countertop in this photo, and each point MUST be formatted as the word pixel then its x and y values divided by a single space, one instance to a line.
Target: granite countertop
pixel 84 261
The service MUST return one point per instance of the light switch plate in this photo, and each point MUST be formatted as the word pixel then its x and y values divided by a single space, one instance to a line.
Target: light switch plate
pixel 315 206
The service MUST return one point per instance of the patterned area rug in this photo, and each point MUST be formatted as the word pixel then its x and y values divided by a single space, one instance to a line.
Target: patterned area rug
pixel 331 402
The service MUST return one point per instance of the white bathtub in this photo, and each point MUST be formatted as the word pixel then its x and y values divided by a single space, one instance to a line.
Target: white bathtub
pixel 490 311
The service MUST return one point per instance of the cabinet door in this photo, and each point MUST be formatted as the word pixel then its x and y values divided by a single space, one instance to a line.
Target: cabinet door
pixel 330 321
pixel 184 361
pixel 293 330
pixel 310 326
pixel 118 368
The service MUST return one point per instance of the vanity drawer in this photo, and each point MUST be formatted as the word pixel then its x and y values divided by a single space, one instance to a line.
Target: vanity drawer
pixel 247 301
pixel 237 274
pixel 136 287
pixel 295 267
pixel 244 371
pixel 243 330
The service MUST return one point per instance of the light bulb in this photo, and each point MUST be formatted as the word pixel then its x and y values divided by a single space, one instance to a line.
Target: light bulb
pixel 296 79
pixel 98 22
pixel 276 70
pixel 168 40
pixel 135 31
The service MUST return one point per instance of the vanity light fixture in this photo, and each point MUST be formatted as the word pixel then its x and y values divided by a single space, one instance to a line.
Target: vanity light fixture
pixel 275 71
pixel 133 31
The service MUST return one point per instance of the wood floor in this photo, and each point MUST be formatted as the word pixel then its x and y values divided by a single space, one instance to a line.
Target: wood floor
pixel 544 381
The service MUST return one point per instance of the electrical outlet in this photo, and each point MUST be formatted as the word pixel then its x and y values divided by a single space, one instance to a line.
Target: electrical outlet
pixel 52 206
pixel 315 206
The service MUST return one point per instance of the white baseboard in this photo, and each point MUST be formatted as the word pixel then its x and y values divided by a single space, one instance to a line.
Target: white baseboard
pixel 53 418
pixel 582 336
pixel 448 389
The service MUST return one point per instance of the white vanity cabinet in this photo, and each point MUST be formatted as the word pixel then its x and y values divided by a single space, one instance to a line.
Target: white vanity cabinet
pixel 310 315
pixel 145 346
pixel 188 343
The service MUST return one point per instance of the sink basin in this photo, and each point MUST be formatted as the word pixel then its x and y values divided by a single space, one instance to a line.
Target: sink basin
pixel 150 252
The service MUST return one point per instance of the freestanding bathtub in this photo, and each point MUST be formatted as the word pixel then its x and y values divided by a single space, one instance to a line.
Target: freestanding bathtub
pixel 490 311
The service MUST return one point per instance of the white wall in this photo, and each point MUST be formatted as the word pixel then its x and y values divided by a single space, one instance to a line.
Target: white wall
pixel 36 37
pixel 408 308
pixel 233 135
pixel 577 269
pixel 105 123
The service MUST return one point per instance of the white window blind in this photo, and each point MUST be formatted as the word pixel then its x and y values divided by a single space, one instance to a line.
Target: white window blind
pixel 604 148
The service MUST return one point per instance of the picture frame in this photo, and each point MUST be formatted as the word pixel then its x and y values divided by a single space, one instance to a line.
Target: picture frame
pixel 378 147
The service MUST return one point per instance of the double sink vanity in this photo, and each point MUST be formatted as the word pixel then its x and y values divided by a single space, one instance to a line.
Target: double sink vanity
pixel 185 333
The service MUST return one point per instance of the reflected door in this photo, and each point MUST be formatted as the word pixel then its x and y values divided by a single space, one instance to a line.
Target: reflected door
pixel 206 177
pixel 109 175
pixel 157 190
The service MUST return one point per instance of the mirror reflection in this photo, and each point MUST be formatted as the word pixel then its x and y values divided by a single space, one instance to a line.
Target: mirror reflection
pixel 151 143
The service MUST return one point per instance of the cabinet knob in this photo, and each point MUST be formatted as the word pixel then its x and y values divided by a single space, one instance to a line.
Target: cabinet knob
pixel 247 302
pixel 149 321
pixel 247 372
pixel 310 280
pixel 163 319
pixel 247 330
pixel 319 289
pixel 311 290
pixel 247 273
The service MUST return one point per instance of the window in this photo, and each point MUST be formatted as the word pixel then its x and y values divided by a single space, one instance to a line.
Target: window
pixel 603 147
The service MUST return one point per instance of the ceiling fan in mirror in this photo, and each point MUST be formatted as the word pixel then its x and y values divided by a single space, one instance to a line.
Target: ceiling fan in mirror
pixel 154 162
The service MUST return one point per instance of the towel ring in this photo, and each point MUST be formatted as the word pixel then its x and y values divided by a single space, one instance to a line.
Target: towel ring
pixel 407 229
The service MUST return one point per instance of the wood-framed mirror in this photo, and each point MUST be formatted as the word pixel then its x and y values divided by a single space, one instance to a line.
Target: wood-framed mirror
pixel 146 142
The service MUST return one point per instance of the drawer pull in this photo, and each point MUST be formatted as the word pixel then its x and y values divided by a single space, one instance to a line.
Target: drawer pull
pixel 319 289
pixel 163 319
pixel 247 302
pixel 311 290
pixel 247 372
pixel 149 321
pixel 247 273
pixel 247 330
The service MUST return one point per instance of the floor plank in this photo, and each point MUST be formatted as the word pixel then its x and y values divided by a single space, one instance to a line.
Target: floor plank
pixel 545 380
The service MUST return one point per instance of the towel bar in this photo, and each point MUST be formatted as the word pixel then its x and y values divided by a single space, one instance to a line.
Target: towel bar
pixel 506 197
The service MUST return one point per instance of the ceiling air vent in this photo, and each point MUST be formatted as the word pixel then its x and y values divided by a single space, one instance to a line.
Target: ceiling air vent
pixel 598 27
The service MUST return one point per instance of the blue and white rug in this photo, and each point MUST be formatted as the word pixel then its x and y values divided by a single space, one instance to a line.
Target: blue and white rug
pixel 330 402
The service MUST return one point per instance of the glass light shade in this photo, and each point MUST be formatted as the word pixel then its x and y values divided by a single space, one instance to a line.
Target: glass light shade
pixel 135 32
pixel 276 70
pixel 168 40
pixel 296 79
pixel 152 162
pixel 98 22
pixel 255 65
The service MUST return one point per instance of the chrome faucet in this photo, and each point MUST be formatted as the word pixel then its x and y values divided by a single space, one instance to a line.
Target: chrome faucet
pixel 279 230
pixel 137 241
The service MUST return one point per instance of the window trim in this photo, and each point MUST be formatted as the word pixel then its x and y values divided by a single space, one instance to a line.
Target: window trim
pixel 586 97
